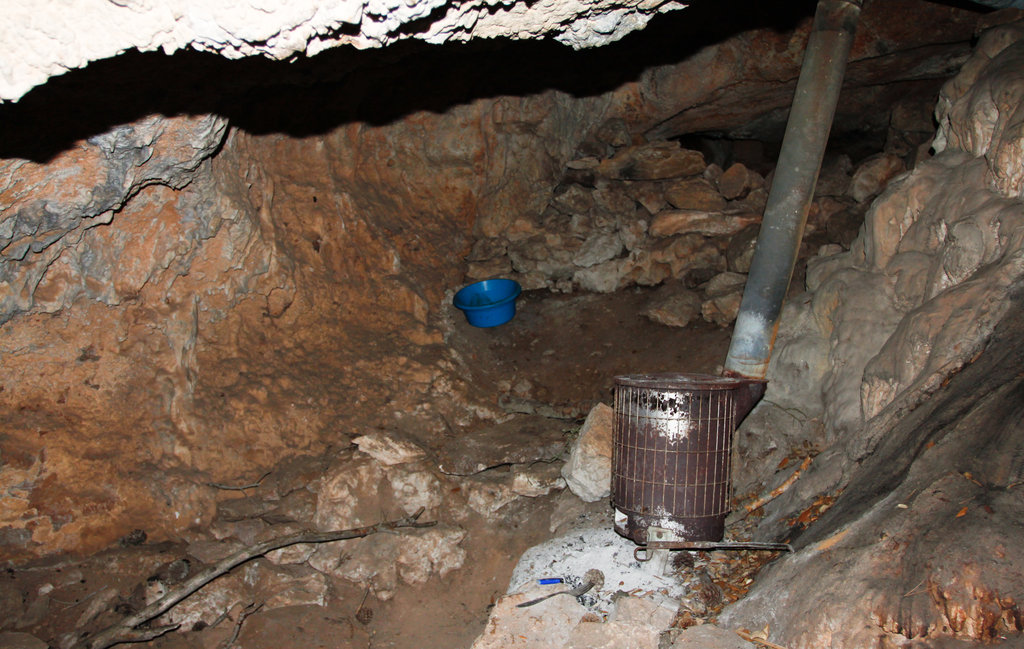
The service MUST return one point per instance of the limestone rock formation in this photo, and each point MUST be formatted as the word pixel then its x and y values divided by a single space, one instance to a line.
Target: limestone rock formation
pixel 673 100
pixel 674 305
pixel 46 216
pixel 979 110
pixel 589 469
pixel 901 366
pixel 508 624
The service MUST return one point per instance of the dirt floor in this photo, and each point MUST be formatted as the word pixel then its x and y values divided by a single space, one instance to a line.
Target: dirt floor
pixel 555 360
pixel 561 353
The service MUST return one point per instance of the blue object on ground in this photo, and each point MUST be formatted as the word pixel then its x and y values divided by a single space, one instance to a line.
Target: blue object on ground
pixel 489 303
pixel 550 580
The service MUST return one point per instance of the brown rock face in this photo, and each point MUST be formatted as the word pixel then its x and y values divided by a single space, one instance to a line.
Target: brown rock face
pixel 714 89
pixel 269 301
pixel 737 181
pixel 48 208
pixel 695 194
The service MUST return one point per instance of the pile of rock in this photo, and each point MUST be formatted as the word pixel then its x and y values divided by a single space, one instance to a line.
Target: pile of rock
pixel 627 214
pixel 381 476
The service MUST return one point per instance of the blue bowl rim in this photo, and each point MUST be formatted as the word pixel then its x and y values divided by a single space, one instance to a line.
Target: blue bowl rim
pixel 517 289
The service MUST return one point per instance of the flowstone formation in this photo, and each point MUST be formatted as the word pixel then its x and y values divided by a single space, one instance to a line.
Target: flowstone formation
pixel 902 366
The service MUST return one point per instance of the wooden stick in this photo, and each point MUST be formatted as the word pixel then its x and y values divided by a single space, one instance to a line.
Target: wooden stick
pixel 124 631
pixel 778 491
pixel 227 487
pixel 145 635
pixel 244 613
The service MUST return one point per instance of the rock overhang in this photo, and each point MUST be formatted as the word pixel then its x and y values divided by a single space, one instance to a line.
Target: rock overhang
pixel 46 39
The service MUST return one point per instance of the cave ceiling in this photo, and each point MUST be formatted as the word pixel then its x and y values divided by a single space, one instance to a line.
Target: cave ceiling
pixel 49 38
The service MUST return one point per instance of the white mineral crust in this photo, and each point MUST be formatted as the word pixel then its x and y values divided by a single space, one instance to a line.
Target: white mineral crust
pixel 45 38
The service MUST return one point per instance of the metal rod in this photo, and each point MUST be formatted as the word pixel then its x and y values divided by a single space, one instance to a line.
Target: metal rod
pixel 719 545
pixel 785 215
pixel 644 553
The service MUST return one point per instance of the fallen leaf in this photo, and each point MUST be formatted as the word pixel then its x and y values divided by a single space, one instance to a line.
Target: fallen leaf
pixel 988 509
pixel 962 512
pixel 762 634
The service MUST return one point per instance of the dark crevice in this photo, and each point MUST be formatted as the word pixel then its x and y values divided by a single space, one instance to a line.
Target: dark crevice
pixel 308 96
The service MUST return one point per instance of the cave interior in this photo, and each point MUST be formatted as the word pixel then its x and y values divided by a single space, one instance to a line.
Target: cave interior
pixel 226 317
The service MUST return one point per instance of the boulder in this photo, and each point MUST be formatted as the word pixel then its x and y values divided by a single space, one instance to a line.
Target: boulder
pixel 659 160
pixel 737 181
pixel 872 176
pixel 538 479
pixel 694 194
pixel 598 248
pixel 711 224
pixel 724 292
pixel 588 473
pixel 673 305
pixel 389 448
pixel 548 625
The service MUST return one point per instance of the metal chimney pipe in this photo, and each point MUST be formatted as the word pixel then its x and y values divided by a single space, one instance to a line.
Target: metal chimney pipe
pixel 785 215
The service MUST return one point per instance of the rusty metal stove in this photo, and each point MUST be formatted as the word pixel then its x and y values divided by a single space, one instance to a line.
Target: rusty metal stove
pixel 671 458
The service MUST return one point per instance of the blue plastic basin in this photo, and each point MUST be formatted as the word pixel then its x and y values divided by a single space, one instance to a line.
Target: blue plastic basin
pixel 489 303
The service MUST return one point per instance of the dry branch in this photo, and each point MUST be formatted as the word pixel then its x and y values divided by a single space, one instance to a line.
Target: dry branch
pixel 244 613
pixel 778 491
pixel 227 487
pixel 125 630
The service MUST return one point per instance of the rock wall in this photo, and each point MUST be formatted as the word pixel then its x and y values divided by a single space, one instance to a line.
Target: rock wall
pixel 175 319
pixel 901 366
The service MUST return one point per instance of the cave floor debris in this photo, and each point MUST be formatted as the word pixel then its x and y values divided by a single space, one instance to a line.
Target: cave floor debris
pixel 554 361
